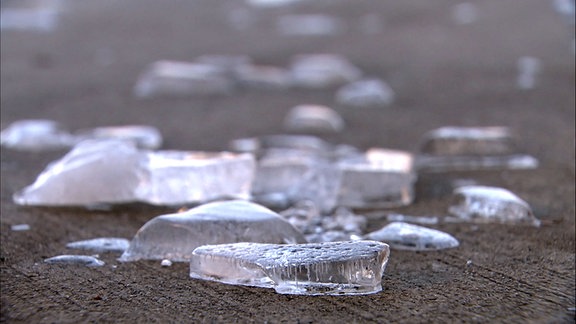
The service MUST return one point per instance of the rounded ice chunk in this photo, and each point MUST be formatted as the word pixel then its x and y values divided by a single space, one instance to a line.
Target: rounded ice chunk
pixel 319 71
pixel 143 136
pixel 313 118
pixel 36 135
pixel 85 260
pixel 175 236
pixel 365 93
pixel 404 236
pixel 101 244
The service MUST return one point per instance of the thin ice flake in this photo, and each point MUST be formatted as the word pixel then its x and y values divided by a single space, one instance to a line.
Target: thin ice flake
pixel 339 268
pixel 175 236
pixel 404 236
pixel 85 260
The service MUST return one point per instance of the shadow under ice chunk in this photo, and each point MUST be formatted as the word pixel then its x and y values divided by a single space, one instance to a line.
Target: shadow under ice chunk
pixel 84 260
pixel 102 244
pixel 481 204
pixel 175 236
pixel 336 268
pixel 36 135
pixel 404 236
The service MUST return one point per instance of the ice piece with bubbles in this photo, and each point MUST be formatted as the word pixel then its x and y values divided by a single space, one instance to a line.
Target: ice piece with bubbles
pixel 102 244
pixel 171 78
pixel 404 236
pixel 175 236
pixel 313 118
pixel 143 136
pixel 365 93
pixel 338 268
pixel 309 25
pixel 322 71
pixel 263 77
pixel 482 204
pixel 36 135
pixel 84 260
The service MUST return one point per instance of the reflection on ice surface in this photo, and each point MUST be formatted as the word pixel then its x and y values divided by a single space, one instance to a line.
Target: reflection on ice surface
pixel 335 268
pixel 175 236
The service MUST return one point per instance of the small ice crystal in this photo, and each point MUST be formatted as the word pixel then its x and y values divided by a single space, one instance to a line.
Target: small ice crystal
pixel 322 71
pixel 339 268
pixel 166 263
pixel 404 236
pixel 313 118
pixel 481 204
pixel 365 93
pixel 102 244
pixel 20 227
pixel 84 260
pixel 35 135
pixel 309 25
pixel 146 137
pixel 175 236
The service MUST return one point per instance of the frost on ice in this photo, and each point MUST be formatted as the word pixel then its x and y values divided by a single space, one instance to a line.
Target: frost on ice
pixel 404 236
pixel 336 268
pixel 481 204
pixel 175 236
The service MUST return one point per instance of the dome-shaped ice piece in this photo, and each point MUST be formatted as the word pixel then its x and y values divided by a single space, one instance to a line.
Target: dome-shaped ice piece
pixel 175 236
pixel 36 135
pixel 404 236
pixel 313 118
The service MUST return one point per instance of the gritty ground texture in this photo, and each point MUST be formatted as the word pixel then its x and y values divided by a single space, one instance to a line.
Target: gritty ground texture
pixel 443 73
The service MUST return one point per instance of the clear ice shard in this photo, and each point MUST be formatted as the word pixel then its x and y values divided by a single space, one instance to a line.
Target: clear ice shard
pixel 263 77
pixel 102 244
pixel 481 204
pixel 365 93
pixel 146 137
pixel 84 260
pixel 404 236
pixel 335 268
pixel 36 135
pixel 111 171
pixel 318 71
pixel 313 118
pixel 309 25
pixel 171 78
pixel 175 236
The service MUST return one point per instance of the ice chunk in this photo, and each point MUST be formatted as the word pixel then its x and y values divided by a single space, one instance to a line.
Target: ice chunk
pixel 430 220
pixel 84 260
pixel 36 135
pixel 313 118
pixel 263 77
pixel 339 268
pixel 404 236
pixel 481 204
pixel 322 70
pixel 175 236
pixel 528 69
pixel 169 78
pixel 464 13
pixel 365 93
pixel 166 263
pixel 102 244
pixel 451 140
pixel 143 136
pixel 20 227
pixel 447 163
pixel 309 25
pixel 380 178
pixel 40 15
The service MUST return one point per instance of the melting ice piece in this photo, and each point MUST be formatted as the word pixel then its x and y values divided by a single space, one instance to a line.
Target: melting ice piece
pixel 481 204
pixel 528 69
pixel 175 236
pixel 143 136
pixel 36 135
pixel 338 268
pixel 313 118
pixel 380 178
pixel 84 260
pixel 169 78
pixel 404 236
pixel 322 71
pixel 451 140
pixel 102 244
pixel 263 77
pixel 309 25
pixel 20 227
pixel 41 15
pixel 365 93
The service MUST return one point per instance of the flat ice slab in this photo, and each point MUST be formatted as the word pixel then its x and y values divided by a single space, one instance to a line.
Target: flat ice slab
pixel 404 236
pixel 175 236
pixel 334 268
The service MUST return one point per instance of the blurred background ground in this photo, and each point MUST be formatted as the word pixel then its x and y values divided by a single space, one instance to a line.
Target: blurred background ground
pixel 81 74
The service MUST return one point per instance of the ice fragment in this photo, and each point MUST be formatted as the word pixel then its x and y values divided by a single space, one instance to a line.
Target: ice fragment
pixel 147 137
pixel 84 260
pixel 339 268
pixel 322 71
pixel 175 236
pixel 404 236
pixel 309 25
pixel 430 220
pixel 365 93
pixel 20 227
pixel 313 118
pixel 36 135
pixel 102 244
pixel 481 204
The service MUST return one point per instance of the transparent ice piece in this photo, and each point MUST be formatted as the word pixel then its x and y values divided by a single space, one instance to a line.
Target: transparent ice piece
pixel 475 162
pixel 102 244
pixel 20 227
pixel 380 178
pixel 313 118
pixel 40 15
pixel 464 13
pixel 365 93
pixel 528 69
pixel 304 143
pixel 429 220
pixel 36 135
pixel 339 268
pixel 481 204
pixel 175 236
pixel 147 137
pixel 345 220
pixel 404 236
pixel 309 25
pixel 166 263
pixel 451 140
pixel 263 77
pixel 84 260
pixel 322 71
pixel 271 3
pixel 169 78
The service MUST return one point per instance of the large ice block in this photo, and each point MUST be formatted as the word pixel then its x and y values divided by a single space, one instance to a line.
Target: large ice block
pixel 175 236
pixel 322 71
pixel 313 118
pixel 404 236
pixel 36 135
pixel 335 268
pixel 482 204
